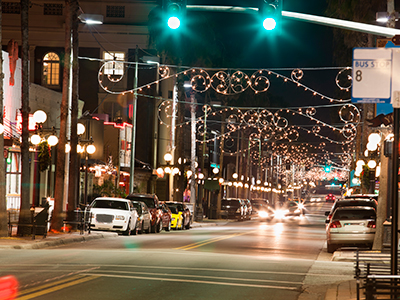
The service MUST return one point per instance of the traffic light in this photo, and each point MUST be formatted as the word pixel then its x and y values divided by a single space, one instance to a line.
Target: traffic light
pixel 271 13
pixel 174 11
pixel 327 169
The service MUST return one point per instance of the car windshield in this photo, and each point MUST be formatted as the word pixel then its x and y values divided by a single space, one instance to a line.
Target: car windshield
pixel 354 214
pixel 176 206
pixel 230 203
pixel 355 203
pixel 110 204
pixel 173 209
pixel 137 206
pixel 149 201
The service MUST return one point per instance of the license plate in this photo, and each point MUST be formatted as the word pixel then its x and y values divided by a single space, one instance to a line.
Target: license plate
pixel 347 224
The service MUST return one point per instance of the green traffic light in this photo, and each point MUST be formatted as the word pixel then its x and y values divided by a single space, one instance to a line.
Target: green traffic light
pixel 327 169
pixel 174 23
pixel 269 24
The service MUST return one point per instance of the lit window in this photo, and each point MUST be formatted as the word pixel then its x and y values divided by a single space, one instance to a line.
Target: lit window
pixel 51 69
pixel 114 68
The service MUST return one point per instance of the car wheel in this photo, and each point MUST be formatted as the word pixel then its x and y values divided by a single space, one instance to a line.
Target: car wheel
pixel 141 230
pixel 331 248
pixel 169 226
pixel 148 228
pixel 135 230
pixel 159 226
pixel 188 225
pixel 128 229
pixel 153 228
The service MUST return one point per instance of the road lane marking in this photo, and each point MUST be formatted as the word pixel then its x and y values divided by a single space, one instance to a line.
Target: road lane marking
pixel 213 240
pixel 200 281
pixel 211 277
pixel 54 286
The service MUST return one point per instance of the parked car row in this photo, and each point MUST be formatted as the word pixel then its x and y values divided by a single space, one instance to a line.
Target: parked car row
pixel 351 222
pixel 138 213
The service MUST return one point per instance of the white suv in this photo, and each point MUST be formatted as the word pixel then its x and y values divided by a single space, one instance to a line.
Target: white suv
pixel 113 214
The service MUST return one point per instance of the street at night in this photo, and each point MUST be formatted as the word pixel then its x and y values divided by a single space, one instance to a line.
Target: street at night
pixel 283 259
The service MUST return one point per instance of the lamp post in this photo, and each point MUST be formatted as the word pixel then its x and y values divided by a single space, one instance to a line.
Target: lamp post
pixel 41 135
pixel 88 148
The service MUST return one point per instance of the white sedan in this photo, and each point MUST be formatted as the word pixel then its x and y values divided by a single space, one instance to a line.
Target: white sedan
pixel 113 214
pixel 351 226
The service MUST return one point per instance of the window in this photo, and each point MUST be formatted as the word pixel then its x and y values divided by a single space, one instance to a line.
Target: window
pixel 11 7
pixel 51 69
pixel 114 68
pixel 114 11
pixel 53 9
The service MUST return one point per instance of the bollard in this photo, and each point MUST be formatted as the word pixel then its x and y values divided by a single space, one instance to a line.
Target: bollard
pixel 32 209
pixel 8 288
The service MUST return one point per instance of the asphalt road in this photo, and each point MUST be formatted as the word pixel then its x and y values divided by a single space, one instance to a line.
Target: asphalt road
pixel 282 259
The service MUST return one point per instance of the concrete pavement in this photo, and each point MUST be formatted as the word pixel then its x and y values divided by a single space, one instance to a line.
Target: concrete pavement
pixel 345 290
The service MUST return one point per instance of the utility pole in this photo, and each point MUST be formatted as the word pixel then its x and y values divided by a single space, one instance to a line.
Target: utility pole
pixel 74 173
pixel 57 218
pixel 25 215
pixel 3 207
pixel 133 133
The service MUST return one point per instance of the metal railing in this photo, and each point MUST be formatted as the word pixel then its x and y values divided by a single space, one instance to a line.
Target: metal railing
pixel 372 272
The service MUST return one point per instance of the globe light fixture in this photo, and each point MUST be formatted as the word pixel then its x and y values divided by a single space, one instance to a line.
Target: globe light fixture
pixel 201 176
pixel 372 164
pixel 235 175
pixel 372 146
pixel 40 116
pixel 80 129
pixel 67 148
pixel 90 149
pixel 168 157
pixel 374 138
pixel 52 140
pixel 215 171
pixel 35 139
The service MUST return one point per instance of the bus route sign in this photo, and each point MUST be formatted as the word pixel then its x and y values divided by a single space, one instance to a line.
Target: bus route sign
pixel 372 75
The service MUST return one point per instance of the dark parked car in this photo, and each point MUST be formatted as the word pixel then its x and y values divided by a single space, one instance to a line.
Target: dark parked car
pixel 185 212
pixel 166 217
pixel 144 216
pixel 232 208
pixel 153 204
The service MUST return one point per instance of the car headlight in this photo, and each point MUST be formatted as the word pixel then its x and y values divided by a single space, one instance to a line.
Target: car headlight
pixel 119 217
pixel 263 214
pixel 300 205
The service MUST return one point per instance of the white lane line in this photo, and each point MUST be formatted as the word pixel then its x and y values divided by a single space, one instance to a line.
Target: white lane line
pixel 175 268
pixel 211 277
pixel 197 281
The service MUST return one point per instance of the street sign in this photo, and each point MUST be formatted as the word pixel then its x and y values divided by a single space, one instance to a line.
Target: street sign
pixel 372 75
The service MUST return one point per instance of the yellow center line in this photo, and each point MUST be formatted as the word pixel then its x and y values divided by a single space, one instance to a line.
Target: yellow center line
pixel 57 288
pixel 41 287
pixel 209 241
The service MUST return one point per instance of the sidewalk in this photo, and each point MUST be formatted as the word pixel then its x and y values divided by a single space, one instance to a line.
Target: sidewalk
pixel 346 290
pixel 62 238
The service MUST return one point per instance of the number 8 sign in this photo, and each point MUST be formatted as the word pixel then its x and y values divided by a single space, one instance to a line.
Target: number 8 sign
pixel 372 75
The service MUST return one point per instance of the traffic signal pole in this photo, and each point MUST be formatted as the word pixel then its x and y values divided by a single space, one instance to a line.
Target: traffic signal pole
pixel 331 22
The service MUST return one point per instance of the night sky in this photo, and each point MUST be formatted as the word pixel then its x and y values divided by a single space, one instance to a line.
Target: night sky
pixel 299 44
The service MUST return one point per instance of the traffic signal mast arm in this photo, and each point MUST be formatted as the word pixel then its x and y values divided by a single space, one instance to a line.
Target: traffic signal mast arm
pixel 350 25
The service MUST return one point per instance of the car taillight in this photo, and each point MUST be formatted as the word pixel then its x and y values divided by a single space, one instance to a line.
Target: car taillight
pixel 335 224
pixel 371 224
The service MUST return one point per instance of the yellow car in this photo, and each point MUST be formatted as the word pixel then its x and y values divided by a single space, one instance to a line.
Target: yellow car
pixel 176 218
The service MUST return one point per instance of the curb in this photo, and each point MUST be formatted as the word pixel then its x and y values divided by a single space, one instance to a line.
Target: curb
pixel 60 241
